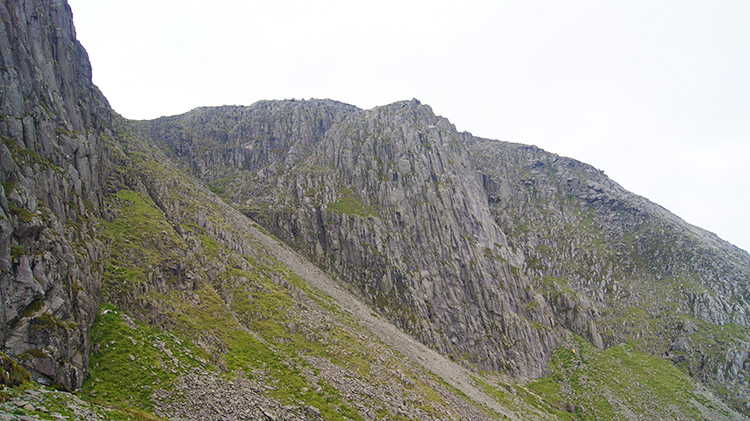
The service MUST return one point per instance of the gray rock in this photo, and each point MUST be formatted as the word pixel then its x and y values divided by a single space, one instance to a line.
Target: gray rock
pixel 680 345
pixel 458 239
pixel 37 155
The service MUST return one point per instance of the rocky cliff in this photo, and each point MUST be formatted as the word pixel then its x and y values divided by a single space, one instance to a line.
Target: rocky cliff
pixel 626 266
pixel 121 270
pixel 126 259
pixel 54 125
pixel 390 201
pixel 485 250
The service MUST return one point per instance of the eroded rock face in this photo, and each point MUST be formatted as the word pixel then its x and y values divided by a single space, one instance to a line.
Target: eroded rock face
pixel 479 248
pixel 572 221
pixel 617 266
pixel 425 249
pixel 390 201
pixel 53 166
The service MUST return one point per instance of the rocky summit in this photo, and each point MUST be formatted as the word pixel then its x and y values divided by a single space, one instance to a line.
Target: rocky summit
pixel 312 260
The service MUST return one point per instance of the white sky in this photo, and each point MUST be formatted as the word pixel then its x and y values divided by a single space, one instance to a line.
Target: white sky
pixel 655 93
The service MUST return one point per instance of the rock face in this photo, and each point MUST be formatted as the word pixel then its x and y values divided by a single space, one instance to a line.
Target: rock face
pixel 53 165
pixel 571 221
pixel 616 264
pixel 389 200
pixel 484 250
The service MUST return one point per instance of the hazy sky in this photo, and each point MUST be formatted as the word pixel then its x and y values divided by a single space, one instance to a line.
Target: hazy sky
pixel 655 93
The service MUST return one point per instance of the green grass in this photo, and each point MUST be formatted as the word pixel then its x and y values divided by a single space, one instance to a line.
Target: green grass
pixel 258 304
pixel 26 156
pixel 140 234
pixel 353 206
pixel 223 187
pixel 127 368
pixel 552 286
pixel 16 252
pixel 262 306
pixel 22 214
pixel 521 229
pixel 133 359
pixel 495 393
pixel 140 240
pixel 602 383
pixel 11 374
pixel 710 345
pixel 52 404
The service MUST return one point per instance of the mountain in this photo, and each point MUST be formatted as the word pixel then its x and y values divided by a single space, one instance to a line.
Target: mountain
pixel 312 260
pixel 487 251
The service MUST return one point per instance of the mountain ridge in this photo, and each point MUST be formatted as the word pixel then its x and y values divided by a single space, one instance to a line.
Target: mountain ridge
pixel 124 250
pixel 601 196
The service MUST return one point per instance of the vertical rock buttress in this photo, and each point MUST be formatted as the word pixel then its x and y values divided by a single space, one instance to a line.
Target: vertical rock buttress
pixel 53 122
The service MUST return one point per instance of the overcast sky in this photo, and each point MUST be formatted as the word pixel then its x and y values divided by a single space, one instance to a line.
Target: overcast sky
pixel 655 93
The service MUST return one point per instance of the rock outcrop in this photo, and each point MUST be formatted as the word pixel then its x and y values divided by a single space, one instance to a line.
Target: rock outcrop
pixel 617 266
pixel 54 125
pixel 572 221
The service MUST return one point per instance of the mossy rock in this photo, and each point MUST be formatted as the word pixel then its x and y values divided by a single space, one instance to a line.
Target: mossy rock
pixel 12 374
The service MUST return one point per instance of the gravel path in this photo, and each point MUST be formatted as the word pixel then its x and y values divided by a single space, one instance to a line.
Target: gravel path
pixel 431 360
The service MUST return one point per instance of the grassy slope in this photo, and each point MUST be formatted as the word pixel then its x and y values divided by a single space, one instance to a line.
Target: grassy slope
pixel 220 310
pixel 620 381
pixel 261 326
